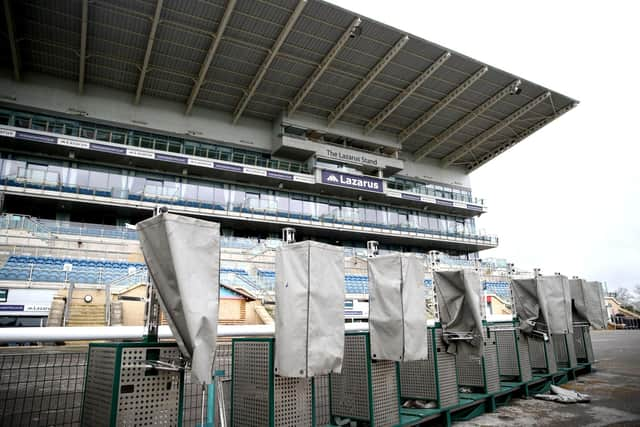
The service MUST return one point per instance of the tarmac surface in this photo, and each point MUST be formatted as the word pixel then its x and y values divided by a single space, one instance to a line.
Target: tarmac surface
pixel 614 387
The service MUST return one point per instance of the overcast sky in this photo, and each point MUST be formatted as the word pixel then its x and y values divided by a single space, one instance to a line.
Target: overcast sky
pixel 565 199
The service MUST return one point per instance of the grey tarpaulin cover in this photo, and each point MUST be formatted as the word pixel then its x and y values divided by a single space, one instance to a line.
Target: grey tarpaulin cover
pixel 588 302
pixel 459 298
pixel 598 311
pixel 309 309
pixel 183 256
pixel 545 300
pixel 397 309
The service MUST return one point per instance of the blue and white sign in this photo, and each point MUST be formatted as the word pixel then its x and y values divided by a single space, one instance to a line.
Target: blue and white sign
pixel 357 182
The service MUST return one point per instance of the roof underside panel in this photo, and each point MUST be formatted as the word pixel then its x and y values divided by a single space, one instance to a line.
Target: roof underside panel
pixel 441 113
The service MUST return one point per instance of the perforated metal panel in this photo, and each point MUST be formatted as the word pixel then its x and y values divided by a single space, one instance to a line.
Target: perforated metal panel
pixel 513 353
pixel 582 344
pixel 261 398
pixel 447 375
pixel 492 374
pixel 525 359
pixel 589 345
pixel 418 378
pixel 481 372
pixel 386 408
pixel 322 404
pixel 148 397
pixel 350 389
pixel 139 395
pixel 543 357
pixel 99 387
pixel 293 402
pixel 251 388
pixel 507 353
pixel 578 339
pixel 565 350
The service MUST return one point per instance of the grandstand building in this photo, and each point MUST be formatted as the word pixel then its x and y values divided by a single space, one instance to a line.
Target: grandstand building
pixel 255 114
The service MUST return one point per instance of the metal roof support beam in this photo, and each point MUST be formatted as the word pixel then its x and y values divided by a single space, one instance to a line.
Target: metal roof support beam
pixel 478 140
pixel 204 68
pixel 320 69
pixel 257 79
pixel 11 33
pixel 147 53
pixel 522 135
pixel 371 75
pixel 402 96
pixel 448 99
pixel 83 45
pixel 457 126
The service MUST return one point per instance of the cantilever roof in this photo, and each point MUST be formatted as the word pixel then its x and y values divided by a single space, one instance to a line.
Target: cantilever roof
pixel 278 55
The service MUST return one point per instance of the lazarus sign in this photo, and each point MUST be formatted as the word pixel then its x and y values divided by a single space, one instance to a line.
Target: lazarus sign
pixel 356 182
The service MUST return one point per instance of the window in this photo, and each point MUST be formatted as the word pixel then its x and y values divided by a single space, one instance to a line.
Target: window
pixel 252 201
pixel 295 206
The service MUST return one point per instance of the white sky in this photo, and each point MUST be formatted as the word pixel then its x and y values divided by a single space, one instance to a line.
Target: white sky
pixel 566 199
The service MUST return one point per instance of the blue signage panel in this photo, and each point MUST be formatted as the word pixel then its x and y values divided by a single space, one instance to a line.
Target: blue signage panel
pixel 11 307
pixel 174 159
pixel 36 137
pixel 444 202
pixel 357 182
pixel 411 197
pixel 107 148
pixel 227 167
pixel 280 175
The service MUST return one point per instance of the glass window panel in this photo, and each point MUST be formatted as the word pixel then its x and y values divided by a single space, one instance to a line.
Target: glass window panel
pixel 160 145
pixel 175 146
pixel 283 202
pixel 221 197
pixel 322 209
pixel 153 187
pixel 190 192
pixel 308 207
pixel 237 198
pixel 370 215
pixel 392 216
pixel 118 137
pixel 334 210
pixel 136 185
pixel 171 189
pixel 87 132
pixel 268 202
pixel 295 206
pixel 252 201
pixel 206 194
pixel 117 181
pixel 103 135
pixel 22 121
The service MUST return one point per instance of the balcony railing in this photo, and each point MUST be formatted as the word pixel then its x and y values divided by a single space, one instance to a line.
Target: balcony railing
pixel 327 219
pixel 134 138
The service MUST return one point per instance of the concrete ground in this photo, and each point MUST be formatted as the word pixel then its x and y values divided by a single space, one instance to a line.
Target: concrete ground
pixel 614 387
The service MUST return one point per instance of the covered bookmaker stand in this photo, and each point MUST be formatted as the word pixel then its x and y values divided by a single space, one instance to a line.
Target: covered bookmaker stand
pixel 141 383
pixel 283 381
pixel 514 361
pixel 588 309
pixel 367 389
pixel 459 295
pixel 543 306
pixel 434 379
